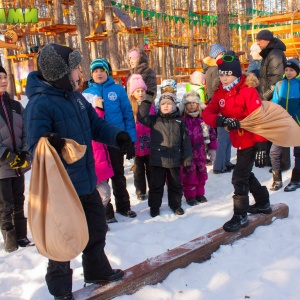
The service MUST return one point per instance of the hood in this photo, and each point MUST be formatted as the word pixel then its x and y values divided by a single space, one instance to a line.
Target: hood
pixel 109 81
pixel 274 44
pixel 36 85
pixel 211 62
pixel 143 62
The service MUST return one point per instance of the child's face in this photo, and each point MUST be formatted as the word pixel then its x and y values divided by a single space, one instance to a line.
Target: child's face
pixel 290 73
pixel 76 77
pixel 99 75
pixel 166 106
pixel 133 62
pixel 227 79
pixel 139 94
pixel 3 82
pixel 192 106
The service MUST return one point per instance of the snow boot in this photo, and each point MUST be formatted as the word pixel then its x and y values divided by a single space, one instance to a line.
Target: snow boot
pixel 154 211
pixel 262 202
pixel 295 182
pixel 21 232
pixel 109 213
pixel 201 199
pixel 116 275
pixel 10 240
pixel 191 201
pixel 277 180
pixel 236 222
pixel 240 218
pixel 68 296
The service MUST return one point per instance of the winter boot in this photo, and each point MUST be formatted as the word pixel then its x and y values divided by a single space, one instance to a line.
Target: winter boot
pixel 10 240
pixel 295 182
pixel 21 232
pixel 116 274
pixel 109 213
pixel 277 180
pixel 68 296
pixel 262 202
pixel 240 218
pixel 191 201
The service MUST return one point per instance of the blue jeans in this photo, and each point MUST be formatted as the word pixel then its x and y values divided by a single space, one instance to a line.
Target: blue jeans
pixel 223 154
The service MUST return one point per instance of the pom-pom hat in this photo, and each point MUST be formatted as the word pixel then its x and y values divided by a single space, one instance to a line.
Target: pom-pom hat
pixel 198 78
pixel 229 64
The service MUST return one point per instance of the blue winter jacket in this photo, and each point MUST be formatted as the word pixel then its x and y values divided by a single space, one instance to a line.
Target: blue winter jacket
pixel 67 113
pixel 117 107
pixel 287 94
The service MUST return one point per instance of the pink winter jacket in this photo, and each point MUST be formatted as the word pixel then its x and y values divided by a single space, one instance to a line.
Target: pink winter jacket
pixel 142 144
pixel 103 165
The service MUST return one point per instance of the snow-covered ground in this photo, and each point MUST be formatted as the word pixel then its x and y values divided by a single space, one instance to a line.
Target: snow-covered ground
pixel 263 266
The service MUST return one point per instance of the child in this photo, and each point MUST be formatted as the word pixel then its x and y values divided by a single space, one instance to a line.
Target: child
pixel 168 86
pixel 287 95
pixel 118 112
pixel 103 166
pixel 197 84
pixel 170 147
pixel 194 177
pixel 235 100
pixel 137 90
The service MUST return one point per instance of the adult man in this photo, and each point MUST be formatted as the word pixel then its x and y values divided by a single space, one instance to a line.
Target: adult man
pixel 272 65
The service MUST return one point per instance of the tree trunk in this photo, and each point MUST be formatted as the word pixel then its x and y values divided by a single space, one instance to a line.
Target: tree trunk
pixel 223 21
pixel 58 19
pixel 85 63
pixel 112 35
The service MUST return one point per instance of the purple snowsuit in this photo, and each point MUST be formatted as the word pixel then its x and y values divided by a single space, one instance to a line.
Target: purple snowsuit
pixel 194 177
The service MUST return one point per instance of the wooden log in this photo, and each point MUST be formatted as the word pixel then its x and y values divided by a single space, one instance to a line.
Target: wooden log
pixel 156 269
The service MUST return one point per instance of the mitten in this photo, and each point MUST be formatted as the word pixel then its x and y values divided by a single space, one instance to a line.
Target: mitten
pixel 20 161
pixel 55 140
pixel 212 154
pixel 130 153
pixel 124 141
pixel 260 154
pixel 149 96
pixel 5 155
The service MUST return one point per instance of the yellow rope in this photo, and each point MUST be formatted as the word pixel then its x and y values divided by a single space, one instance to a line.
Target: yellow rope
pixel 292 33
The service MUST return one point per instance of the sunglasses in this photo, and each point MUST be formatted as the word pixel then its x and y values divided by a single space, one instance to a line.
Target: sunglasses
pixel 228 58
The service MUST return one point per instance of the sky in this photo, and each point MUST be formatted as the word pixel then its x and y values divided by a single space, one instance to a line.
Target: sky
pixel 262 266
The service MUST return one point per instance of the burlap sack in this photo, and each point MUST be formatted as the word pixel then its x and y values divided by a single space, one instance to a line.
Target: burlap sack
pixel 55 214
pixel 274 123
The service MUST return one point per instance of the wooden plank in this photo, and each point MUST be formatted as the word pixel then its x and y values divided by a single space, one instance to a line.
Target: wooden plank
pixel 276 18
pixel 156 269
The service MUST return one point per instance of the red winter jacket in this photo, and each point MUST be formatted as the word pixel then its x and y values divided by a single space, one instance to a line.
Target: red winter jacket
pixel 238 103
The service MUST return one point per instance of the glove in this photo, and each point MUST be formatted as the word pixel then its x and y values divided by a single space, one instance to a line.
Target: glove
pixel 260 154
pixel 20 161
pixel 212 154
pixel 130 152
pixel 55 140
pixel 149 96
pixel 5 155
pixel 124 141
pixel 230 123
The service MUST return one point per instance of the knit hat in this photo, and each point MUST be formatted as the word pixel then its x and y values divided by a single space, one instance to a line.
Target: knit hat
pixel 136 82
pixel 294 64
pixel 2 70
pixel 133 54
pixel 265 34
pixel 215 50
pixel 191 96
pixel 168 85
pixel 55 63
pixel 101 63
pixel 255 48
pixel 229 64
pixel 198 78
pixel 168 97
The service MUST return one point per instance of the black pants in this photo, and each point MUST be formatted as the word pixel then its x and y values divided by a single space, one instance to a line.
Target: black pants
pixel 119 180
pixel 141 171
pixel 297 158
pixel 158 180
pixel 11 201
pixel 243 179
pixel 94 260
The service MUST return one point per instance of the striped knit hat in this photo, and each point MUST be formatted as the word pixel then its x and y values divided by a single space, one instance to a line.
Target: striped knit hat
pixel 100 63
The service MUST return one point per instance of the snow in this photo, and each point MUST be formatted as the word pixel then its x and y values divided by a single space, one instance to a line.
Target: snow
pixel 264 265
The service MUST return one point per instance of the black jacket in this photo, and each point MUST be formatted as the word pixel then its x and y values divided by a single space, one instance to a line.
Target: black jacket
pixel 170 142
pixel 272 67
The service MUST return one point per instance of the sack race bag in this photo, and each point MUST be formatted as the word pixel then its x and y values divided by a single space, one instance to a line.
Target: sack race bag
pixel 274 123
pixel 55 215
